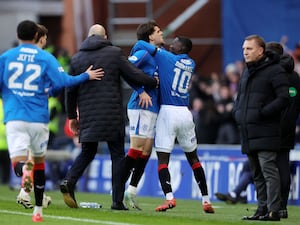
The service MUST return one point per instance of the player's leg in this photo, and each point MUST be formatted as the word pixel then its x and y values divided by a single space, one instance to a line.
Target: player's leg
pixel 141 139
pixel 187 140
pixel 18 142
pixel 39 138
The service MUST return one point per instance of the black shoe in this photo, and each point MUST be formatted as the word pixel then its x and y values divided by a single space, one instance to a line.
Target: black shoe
pixel 242 199
pixel 220 196
pixel 68 194
pixel 271 216
pixel 256 215
pixel 283 213
pixel 226 198
pixel 118 206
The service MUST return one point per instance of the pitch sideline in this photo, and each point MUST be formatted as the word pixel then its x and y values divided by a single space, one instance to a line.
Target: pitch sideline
pixel 68 218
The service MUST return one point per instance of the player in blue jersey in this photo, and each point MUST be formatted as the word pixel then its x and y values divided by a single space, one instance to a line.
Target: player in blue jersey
pixel 26 73
pixel 23 197
pixel 174 119
pixel 142 110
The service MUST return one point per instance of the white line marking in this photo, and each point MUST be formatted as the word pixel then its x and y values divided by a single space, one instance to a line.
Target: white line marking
pixel 68 218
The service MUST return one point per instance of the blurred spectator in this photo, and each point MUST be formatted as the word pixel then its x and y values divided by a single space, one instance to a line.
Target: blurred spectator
pixel 55 109
pixel 283 41
pixel 208 123
pixel 296 56
pixel 228 131
pixel 232 76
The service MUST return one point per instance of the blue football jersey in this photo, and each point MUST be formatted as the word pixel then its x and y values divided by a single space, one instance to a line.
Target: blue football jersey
pixel 26 72
pixel 144 61
pixel 175 73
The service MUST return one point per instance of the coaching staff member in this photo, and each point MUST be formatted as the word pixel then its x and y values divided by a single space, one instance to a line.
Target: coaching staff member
pixel 100 108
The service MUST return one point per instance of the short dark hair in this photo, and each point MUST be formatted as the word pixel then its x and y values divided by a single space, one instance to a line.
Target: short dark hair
pixel 145 29
pixel 187 44
pixel 274 47
pixel 42 31
pixel 258 39
pixel 27 30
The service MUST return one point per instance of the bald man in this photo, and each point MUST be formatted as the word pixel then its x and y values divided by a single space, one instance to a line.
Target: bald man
pixel 97 29
pixel 101 111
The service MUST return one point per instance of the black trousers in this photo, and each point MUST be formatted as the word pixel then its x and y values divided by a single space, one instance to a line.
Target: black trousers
pixel 88 152
pixel 266 178
pixel 283 163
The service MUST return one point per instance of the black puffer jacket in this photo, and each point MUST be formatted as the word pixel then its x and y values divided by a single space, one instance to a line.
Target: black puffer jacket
pixel 100 104
pixel 262 95
pixel 290 114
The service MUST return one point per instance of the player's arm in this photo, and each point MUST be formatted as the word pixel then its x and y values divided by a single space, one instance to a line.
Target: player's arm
pixel 157 53
pixel 59 79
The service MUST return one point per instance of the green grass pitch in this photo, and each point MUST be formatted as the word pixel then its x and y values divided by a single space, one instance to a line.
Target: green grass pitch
pixel 187 212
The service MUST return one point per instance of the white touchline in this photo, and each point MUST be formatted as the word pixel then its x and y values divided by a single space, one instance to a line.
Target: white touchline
pixel 68 218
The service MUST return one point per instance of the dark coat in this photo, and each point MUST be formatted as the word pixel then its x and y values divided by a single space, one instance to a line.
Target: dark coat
pixel 290 114
pixel 262 95
pixel 100 103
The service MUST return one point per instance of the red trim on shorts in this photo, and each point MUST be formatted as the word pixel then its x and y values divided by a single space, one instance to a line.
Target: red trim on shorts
pixel 196 165
pixel 133 153
pixel 39 166
pixel 162 166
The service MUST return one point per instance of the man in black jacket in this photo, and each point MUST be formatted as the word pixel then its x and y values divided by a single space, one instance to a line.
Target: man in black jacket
pixel 288 123
pixel 100 107
pixel 262 96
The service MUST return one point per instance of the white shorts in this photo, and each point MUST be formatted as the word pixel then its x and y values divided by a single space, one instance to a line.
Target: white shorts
pixel 175 122
pixel 23 136
pixel 141 123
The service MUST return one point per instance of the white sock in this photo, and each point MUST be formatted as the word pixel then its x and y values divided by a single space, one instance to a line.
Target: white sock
pixel 38 209
pixel 132 189
pixel 205 198
pixel 169 196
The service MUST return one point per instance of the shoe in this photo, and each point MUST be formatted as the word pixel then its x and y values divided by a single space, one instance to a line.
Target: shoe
pixel 68 194
pixel 242 199
pixel 168 204
pixel 37 218
pixel 283 213
pixel 46 201
pixel 256 215
pixel 271 216
pixel 220 196
pixel 118 206
pixel 226 198
pixel 27 178
pixel 25 201
pixel 130 200
pixel 207 207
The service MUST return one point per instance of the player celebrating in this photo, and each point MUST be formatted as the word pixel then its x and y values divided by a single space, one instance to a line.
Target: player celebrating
pixel 142 111
pixel 174 118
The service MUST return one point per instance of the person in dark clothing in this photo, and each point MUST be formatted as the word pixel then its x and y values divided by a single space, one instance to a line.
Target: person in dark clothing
pixel 235 195
pixel 262 96
pixel 288 123
pixel 100 107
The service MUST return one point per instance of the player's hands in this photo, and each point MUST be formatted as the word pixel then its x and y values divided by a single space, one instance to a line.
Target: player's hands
pixel 74 126
pixel 145 100
pixel 96 74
